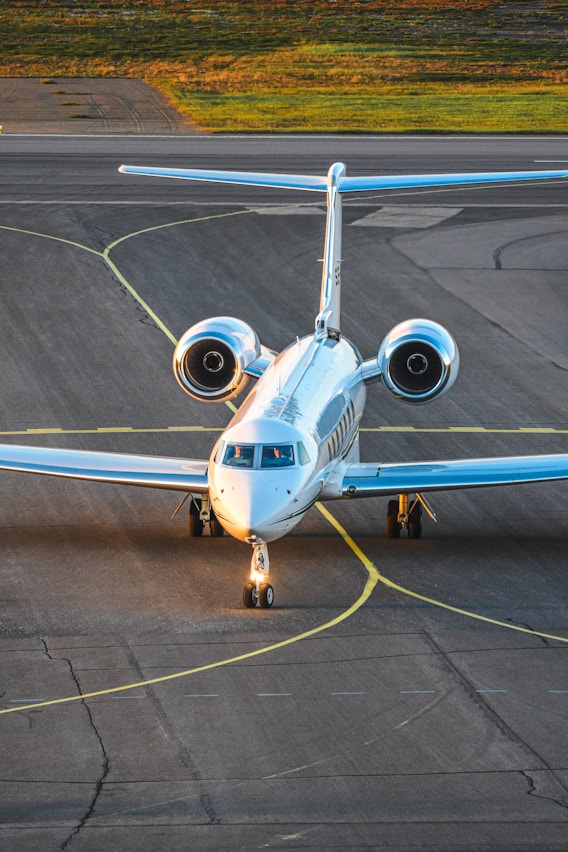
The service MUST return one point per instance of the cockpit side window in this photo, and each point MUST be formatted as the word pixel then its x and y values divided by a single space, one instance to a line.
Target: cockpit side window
pixel 219 452
pixel 277 456
pixel 303 456
pixel 239 455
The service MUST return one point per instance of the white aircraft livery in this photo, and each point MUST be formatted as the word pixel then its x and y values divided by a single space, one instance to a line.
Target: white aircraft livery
pixel 295 438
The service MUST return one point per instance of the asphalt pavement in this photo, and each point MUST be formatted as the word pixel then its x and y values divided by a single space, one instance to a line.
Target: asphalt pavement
pixel 408 695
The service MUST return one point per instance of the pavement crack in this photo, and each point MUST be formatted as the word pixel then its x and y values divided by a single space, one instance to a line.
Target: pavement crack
pixel 533 791
pixel 528 627
pixel 105 763
pixel 170 733
pixel 555 782
pixel 46 650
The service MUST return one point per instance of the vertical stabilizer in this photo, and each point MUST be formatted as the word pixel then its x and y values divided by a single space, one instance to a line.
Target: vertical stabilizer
pixel 328 319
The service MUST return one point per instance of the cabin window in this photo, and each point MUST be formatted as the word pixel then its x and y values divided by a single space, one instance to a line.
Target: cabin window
pixel 303 456
pixel 279 455
pixel 239 455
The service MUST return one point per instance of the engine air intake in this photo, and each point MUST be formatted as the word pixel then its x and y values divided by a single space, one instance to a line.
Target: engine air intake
pixel 211 358
pixel 416 368
pixel 418 360
pixel 210 365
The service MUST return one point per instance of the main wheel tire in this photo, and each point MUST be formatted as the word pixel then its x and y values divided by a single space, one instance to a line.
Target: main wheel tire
pixel 249 595
pixel 415 522
pixel 217 530
pixel 393 526
pixel 195 524
pixel 266 596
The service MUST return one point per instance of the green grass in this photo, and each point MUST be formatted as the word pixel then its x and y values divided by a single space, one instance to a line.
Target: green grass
pixel 432 112
pixel 348 65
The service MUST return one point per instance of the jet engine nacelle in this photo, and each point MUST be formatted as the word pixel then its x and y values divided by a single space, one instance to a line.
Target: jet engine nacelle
pixel 211 357
pixel 418 360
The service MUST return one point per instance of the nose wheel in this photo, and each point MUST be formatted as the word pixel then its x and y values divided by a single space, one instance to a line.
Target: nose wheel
pixel 262 597
pixel 257 592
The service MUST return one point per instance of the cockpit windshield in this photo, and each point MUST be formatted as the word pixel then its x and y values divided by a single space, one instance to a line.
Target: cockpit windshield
pixel 281 455
pixel 239 455
pixel 257 456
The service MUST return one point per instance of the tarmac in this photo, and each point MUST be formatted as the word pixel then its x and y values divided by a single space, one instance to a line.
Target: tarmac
pixel 70 105
pixel 412 697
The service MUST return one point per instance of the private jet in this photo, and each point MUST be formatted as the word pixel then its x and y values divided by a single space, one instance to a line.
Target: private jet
pixel 295 438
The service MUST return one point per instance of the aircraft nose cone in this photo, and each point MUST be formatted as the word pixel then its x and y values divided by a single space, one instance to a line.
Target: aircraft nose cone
pixel 255 512
pixel 247 510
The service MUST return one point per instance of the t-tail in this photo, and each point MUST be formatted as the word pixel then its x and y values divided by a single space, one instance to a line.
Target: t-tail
pixel 334 184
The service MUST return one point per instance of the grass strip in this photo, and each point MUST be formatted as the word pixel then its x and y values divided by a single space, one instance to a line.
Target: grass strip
pixel 288 66
pixel 476 110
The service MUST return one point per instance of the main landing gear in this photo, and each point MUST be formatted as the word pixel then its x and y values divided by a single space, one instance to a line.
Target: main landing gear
pixel 257 592
pixel 403 514
pixel 200 514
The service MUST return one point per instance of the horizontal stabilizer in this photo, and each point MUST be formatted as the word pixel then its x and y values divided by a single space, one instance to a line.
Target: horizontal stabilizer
pixel 309 182
pixel 315 183
pixel 364 184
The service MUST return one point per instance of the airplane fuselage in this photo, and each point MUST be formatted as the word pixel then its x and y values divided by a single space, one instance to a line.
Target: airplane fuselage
pixel 296 427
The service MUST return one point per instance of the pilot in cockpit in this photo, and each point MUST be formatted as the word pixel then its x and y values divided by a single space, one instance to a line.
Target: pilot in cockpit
pixel 282 456
pixel 239 456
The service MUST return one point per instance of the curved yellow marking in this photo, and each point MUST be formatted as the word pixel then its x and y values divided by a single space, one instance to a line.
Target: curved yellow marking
pixel 109 263
pixel 51 237
pixel 129 236
pixel 114 268
pixel 105 255
pixel 372 578
pixel 391 585
pixel 397 588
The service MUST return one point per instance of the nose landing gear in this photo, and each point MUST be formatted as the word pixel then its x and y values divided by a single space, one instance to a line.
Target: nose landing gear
pixel 258 592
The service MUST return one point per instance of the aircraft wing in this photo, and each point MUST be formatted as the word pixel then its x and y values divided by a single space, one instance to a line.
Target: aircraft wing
pixel 188 475
pixel 374 480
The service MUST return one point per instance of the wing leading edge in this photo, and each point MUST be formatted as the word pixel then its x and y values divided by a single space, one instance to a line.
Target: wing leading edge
pixel 375 480
pixel 188 475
